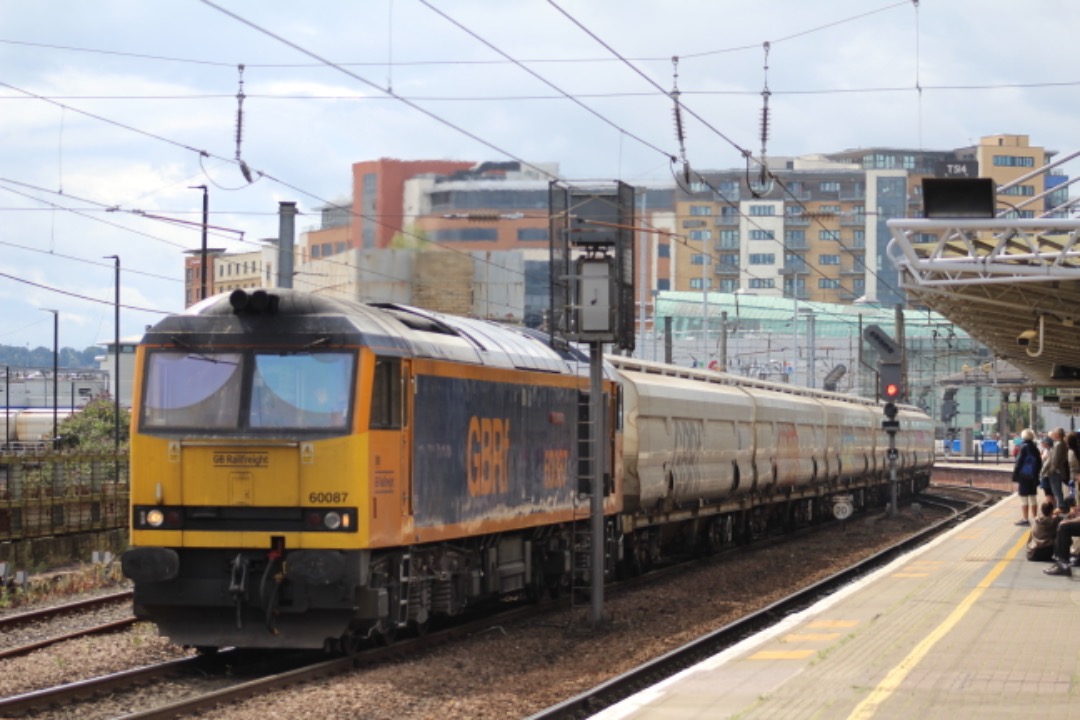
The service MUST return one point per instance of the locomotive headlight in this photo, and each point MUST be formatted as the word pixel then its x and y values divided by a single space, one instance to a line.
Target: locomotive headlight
pixel 155 518
pixel 332 520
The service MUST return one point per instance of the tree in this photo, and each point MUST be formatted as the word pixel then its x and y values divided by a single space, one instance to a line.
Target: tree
pixel 91 429
pixel 411 239
pixel 1020 416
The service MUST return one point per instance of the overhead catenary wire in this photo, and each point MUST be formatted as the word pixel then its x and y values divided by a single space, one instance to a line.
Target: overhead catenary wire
pixel 792 36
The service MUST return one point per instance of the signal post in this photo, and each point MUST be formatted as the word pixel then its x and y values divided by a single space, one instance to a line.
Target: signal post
pixel 592 300
pixel 890 391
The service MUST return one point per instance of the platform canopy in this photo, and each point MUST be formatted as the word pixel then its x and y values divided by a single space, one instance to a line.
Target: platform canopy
pixel 1012 284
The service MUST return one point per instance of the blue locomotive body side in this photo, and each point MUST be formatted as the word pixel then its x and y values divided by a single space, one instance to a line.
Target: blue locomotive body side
pixel 486 450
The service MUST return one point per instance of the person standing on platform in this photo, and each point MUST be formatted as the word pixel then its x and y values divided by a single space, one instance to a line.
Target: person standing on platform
pixel 1026 476
pixel 1073 443
pixel 1058 475
pixel 1045 445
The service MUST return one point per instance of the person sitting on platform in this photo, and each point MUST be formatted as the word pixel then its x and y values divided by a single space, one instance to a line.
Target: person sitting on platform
pixel 1040 547
pixel 1068 529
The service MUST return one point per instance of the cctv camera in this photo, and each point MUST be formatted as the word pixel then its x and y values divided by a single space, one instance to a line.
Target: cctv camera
pixel 1024 339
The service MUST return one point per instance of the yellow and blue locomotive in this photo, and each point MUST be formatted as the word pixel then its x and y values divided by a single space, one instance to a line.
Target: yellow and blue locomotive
pixel 310 472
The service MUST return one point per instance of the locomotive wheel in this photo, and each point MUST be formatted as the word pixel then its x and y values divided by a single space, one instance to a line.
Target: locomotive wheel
pixel 350 643
pixel 386 633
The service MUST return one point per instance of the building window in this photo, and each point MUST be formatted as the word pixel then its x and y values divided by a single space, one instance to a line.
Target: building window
pixel 795 237
pixel 762 210
pixel 829 209
pixel 828 284
pixel 729 285
pixel 699 283
pixel 829 235
pixel 1023 214
pixel 909 162
pixel 729 238
pixel 663 250
pixel 859 286
pixel 473 234
pixel 698 259
pixel 762 283
pixel 829 187
pixel 663 284
pixel 829 259
pixel 339 247
pixel 1013 161
pixel 762 258
pixel 1024 190
pixel 529 234
pixel 762 235
pixel 701 235
pixel 728 260
pixel 729 212
pixel 701 209
pixel 316 252
pixel 860 239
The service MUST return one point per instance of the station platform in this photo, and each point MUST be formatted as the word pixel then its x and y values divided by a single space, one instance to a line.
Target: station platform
pixel 963 627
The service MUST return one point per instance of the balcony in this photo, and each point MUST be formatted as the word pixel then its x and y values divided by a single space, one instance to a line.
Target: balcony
pixel 793 270
pixel 728 220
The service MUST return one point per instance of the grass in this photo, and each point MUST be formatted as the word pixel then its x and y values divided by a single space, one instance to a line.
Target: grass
pixel 58 585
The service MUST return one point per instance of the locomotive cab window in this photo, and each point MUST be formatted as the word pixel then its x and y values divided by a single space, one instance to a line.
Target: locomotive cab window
pixel 216 391
pixel 301 390
pixel 193 390
pixel 386 395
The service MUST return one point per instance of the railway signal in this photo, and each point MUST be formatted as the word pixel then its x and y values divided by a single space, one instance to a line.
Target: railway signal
pixel 891 383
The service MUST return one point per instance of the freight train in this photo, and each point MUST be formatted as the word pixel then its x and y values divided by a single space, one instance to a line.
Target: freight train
pixel 313 473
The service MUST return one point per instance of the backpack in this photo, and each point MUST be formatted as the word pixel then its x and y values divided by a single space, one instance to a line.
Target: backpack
pixel 1027 469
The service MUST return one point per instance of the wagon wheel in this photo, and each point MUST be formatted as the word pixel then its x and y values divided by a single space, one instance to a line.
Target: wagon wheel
pixel 714 538
pixel 729 529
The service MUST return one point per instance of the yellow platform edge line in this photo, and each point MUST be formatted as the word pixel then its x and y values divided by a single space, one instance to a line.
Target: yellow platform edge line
pixel 896 676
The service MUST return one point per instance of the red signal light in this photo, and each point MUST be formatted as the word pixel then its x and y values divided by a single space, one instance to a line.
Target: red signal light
pixel 892 390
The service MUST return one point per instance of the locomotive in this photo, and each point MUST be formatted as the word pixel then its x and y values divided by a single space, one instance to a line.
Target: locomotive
pixel 308 472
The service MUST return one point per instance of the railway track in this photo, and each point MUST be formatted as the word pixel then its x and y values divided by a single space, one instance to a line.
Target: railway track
pixel 44 615
pixel 244 674
pixel 200 684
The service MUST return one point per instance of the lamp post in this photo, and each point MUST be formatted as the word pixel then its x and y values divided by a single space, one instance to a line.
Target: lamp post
pixel 205 213
pixel 116 354
pixel 55 370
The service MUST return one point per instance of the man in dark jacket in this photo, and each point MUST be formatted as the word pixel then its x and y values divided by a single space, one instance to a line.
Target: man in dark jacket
pixel 1026 475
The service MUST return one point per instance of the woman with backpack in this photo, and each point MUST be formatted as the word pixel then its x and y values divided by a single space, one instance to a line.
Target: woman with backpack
pixel 1026 475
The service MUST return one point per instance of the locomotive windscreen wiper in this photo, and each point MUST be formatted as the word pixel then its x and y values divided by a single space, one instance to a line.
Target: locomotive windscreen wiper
pixel 192 352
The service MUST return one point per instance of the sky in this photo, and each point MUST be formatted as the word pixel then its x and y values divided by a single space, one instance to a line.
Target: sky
pixel 112 110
